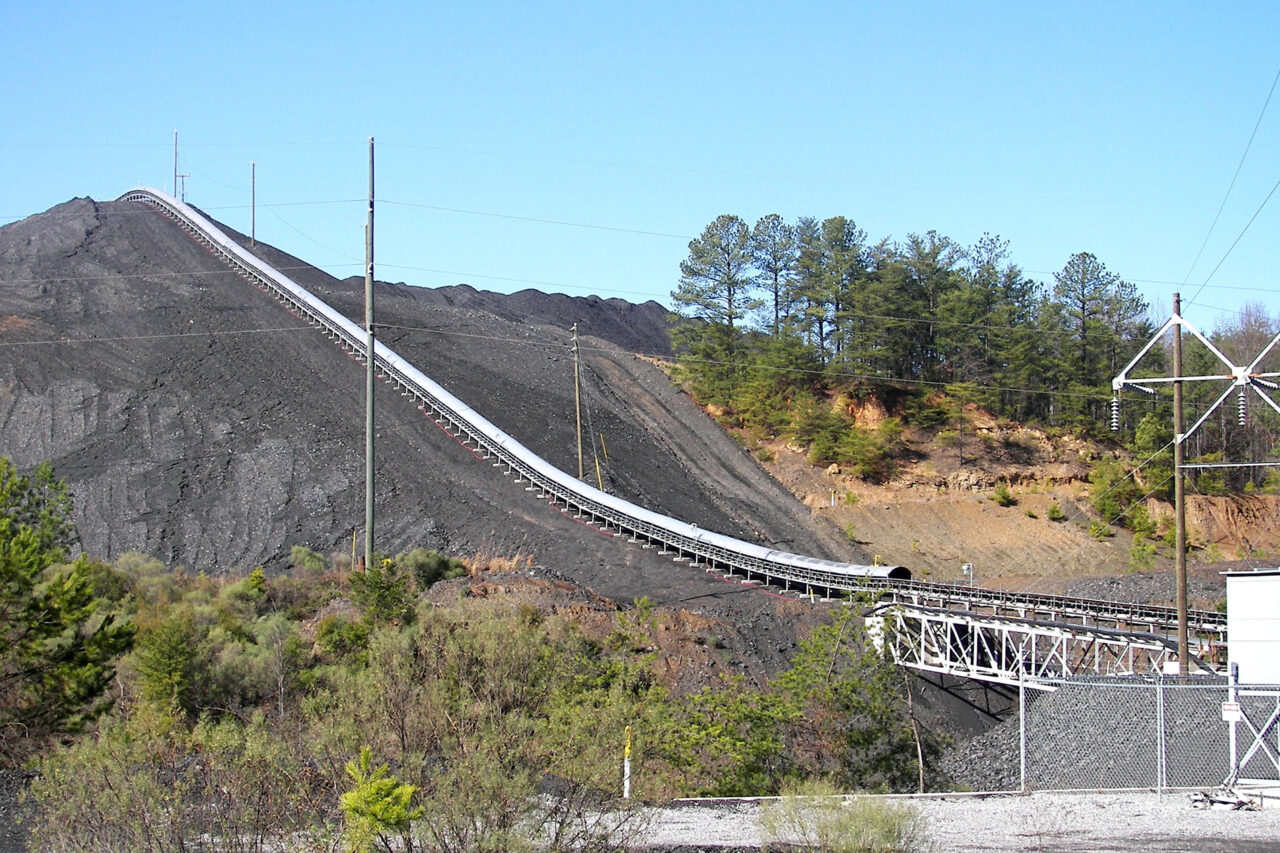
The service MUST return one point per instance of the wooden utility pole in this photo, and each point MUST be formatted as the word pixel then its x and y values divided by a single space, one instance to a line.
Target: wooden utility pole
pixel 1179 494
pixel 369 374
pixel 253 204
pixel 577 397
pixel 1243 377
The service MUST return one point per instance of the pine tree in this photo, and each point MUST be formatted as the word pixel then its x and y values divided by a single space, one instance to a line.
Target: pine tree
pixel 58 645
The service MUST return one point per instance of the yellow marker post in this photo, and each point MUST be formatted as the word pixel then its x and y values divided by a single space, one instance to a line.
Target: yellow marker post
pixel 626 767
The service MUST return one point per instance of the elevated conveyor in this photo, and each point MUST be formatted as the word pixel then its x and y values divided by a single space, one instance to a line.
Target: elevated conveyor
pixel 917 603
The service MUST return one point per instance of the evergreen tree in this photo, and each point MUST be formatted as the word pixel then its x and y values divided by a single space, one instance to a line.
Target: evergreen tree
pixel 58 645
pixel 716 294
pixel 775 253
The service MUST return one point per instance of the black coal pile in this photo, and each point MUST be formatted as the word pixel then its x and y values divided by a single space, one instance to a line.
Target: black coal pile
pixel 199 422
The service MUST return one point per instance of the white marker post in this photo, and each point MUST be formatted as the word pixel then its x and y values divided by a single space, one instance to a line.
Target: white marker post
pixel 626 767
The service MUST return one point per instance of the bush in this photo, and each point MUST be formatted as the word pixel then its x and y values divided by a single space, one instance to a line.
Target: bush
pixel 1055 513
pixel 811 816
pixel 383 593
pixel 1100 530
pixel 341 638
pixel 1003 496
pixel 1113 491
pixel 302 557
pixel 1142 555
pixel 1140 522
pixel 429 567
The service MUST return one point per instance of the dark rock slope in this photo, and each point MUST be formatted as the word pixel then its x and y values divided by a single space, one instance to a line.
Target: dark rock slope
pixel 199 422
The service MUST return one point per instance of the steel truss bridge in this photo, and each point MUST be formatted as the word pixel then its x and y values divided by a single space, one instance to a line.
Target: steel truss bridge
pixel 971 632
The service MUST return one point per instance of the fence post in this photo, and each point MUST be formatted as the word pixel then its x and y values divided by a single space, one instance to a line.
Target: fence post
pixel 1233 673
pixel 1161 752
pixel 1022 733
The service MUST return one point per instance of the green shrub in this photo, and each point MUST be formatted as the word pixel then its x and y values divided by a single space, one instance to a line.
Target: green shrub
pixel 1139 521
pixel 929 411
pixel 1100 530
pixel 382 591
pixel 811 816
pixel 1003 496
pixel 1113 491
pixel 824 449
pixel 302 557
pixel 1055 513
pixel 1212 481
pixel 1142 555
pixel 165 661
pixel 428 567
pixel 378 808
pixel 341 638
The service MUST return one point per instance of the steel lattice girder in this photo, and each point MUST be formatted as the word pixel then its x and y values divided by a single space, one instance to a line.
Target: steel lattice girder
pixel 1010 651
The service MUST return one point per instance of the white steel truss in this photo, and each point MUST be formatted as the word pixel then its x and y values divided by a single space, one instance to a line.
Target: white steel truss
pixel 1013 651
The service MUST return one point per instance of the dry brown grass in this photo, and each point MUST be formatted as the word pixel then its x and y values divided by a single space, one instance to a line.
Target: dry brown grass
pixel 485 562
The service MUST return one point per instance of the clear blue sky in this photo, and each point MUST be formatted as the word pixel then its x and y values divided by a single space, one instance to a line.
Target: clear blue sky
pixel 579 147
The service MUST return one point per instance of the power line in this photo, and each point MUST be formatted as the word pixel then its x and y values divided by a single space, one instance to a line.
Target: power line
pixel 1232 184
pixel 535 219
pixel 125 338
pixel 797 371
pixel 150 275
pixel 1239 236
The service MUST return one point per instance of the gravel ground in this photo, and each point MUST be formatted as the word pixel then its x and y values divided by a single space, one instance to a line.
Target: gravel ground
pixel 1088 823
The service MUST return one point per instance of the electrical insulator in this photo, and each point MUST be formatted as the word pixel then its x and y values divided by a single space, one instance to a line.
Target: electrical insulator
pixel 1115 414
pixel 1242 408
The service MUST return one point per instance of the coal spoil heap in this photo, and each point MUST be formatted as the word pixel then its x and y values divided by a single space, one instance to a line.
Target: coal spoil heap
pixel 199 422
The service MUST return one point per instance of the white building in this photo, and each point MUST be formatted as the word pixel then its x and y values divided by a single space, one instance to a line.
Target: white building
pixel 1253 625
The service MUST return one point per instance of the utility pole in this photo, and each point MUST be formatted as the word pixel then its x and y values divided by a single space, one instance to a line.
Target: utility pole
pixel 369 374
pixel 1179 495
pixel 577 397
pixel 175 164
pixel 1241 378
pixel 253 204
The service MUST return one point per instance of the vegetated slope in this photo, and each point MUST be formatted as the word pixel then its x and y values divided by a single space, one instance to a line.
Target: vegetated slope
pixel 940 510
pixel 199 422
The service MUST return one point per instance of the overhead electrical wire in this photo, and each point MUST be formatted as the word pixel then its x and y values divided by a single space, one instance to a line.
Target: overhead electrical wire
pixel 1236 242
pixel 1231 186
pixel 153 337
pixel 535 219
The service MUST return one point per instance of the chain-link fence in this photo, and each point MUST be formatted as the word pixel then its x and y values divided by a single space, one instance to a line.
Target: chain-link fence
pixel 1149 734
